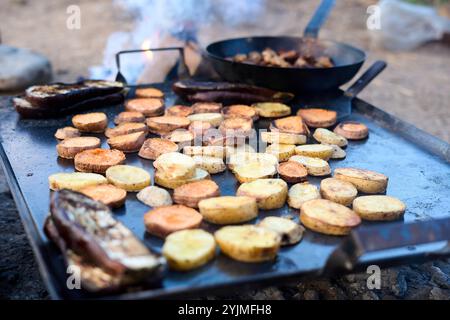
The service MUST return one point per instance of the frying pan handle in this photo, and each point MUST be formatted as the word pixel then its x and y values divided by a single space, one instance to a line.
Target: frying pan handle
pixel 366 78
pixel 380 239
pixel 316 22
pixel 182 68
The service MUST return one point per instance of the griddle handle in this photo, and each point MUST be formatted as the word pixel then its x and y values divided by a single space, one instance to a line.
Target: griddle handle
pixel 374 70
pixel 183 71
pixel 383 238
pixel 316 22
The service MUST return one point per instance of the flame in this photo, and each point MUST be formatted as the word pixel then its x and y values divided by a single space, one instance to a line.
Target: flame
pixel 146 44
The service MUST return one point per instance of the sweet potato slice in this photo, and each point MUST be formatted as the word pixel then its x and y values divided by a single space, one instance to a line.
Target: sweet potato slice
pixel 149 107
pixel 318 118
pixel 179 111
pixel 154 147
pixel 69 147
pixel 149 93
pixel 198 128
pixel 352 130
pixel 107 194
pixel 207 107
pixel 98 160
pixel 125 128
pixel 90 122
pixel 293 124
pixel 129 116
pixel 128 143
pixel 67 132
pixel 240 111
pixel 165 124
pixel 163 221
pixel 236 127
pixel 292 172
pixel 191 194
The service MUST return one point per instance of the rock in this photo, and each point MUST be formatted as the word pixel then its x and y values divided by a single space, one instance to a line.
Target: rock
pixel 20 68
pixel 439 294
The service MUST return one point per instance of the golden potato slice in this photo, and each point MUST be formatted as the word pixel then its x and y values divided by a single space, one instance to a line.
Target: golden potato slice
pixel 210 151
pixel 90 122
pixel 228 209
pixel 211 164
pixel 154 147
pixel 379 208
pixel 321 151
pixel 189 249
pixel 198 128
pixel 154 196
pixel 289 231
pixel 175 165
pixel 300 193
pixel 242 158
pixel 248 243
pixel 128 143
pixel 163 181
pixel 182 137
pixel 129 116
pixel 328 217
pixel 326 136
pixel 70 147
pixel 282 137
pixel 364 180
pixel 338 191
pixel 67 132
pixel 282 151
pixel 338 152
pixel 268 193
pixel 240 111
pixel 272 109
pixel 125 128
pixel 75 180
pixel 314 166
pixel 129 178
pixel 254 170
pixel 214 119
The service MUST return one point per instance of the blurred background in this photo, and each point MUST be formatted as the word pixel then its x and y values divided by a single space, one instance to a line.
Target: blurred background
pixel 71 39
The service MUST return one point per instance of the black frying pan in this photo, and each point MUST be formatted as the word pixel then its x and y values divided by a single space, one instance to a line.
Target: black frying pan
pixel 347 59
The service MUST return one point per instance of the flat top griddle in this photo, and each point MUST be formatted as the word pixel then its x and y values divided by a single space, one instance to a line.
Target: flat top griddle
pixel 417 165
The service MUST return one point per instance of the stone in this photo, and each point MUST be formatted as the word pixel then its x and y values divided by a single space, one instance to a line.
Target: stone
pixel 21 68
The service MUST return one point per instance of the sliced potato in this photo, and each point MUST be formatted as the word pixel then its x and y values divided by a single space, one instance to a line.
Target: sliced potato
pixel 154 147
pixel 107 194
pixel 165 124
pixel 300 193
pixel 189 249
pixel 175 165
pixel 292 172
pixel 379 208
pixel 179 111
pixel 268 193
pixel 338 152
pixel 282 151
pixel 338 191
pixel 242 158
pixel 293 124
pixel 243 148
pixel 210 151
pixel 321 151
pixel 364 180
pixel 98 160
pixel 289 231
pixel 154 196
pixel 240 111
pixel 318 118
pixel 75 180
pixel 182 137
pixel 272 109
pixel 163 181
pixel 248 243
pixel 125 128
pixel 352 130
pixel 129 116
pixel 207 107
pixel 70 147
pixel 67 132
pixel 90 122
pixel 198 128
pixel 228 209
pixel 314 166
pixel 214 119
pixel 326 136
pixel 236 127
pixel 149 93
pixel 282 137
pixel 128 143
pixel 254 170
pixel 190 194
pixel 129 178
pixel 328 217
pixel 149 107
pixel 211 164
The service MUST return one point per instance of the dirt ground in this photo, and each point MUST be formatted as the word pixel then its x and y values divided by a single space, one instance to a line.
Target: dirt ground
pixel 415 87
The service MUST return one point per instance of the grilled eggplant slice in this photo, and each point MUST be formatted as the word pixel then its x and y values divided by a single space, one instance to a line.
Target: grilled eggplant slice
pixel 87 229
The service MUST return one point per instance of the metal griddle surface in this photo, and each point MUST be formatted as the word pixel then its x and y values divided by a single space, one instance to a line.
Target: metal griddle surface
pixel 419 177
